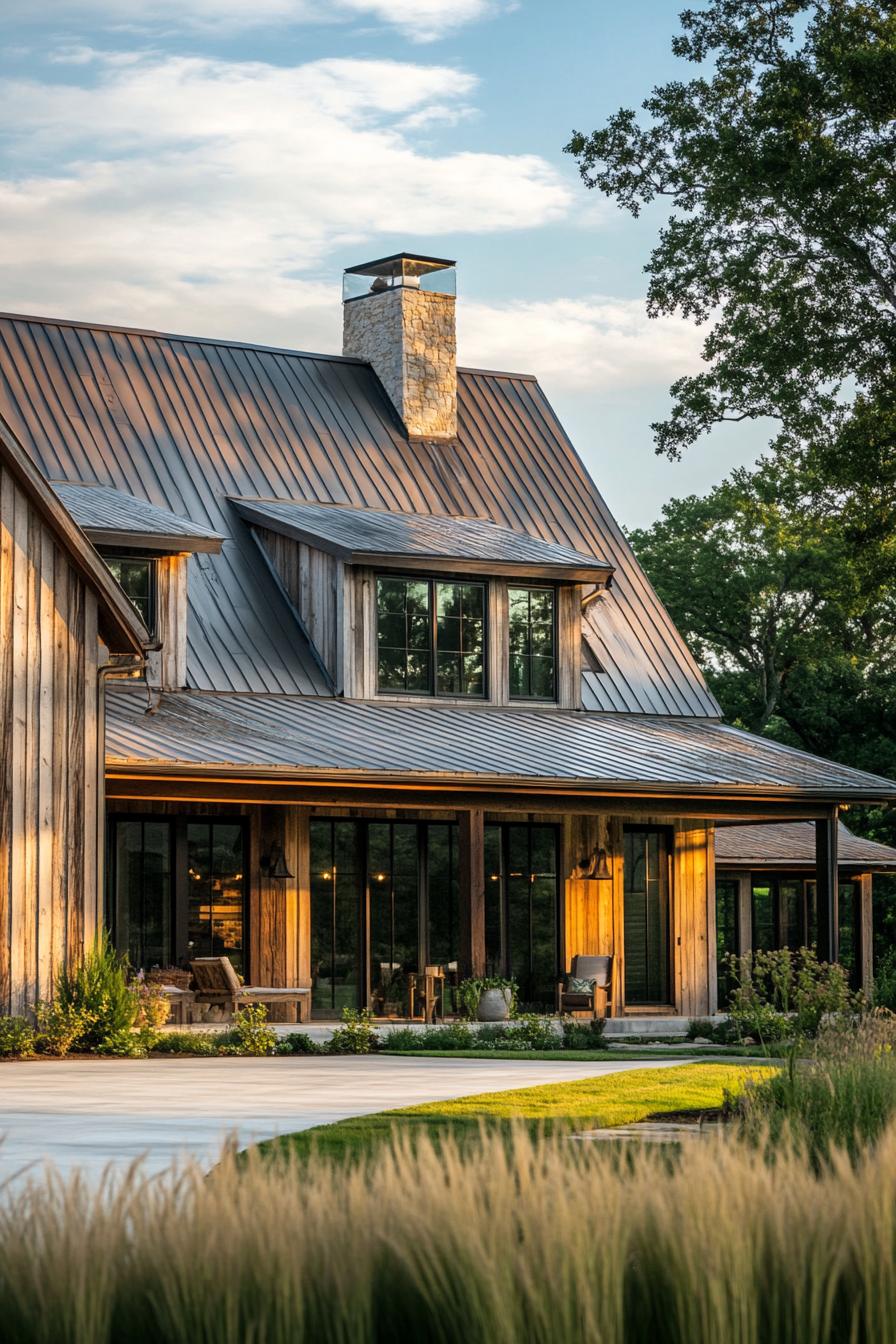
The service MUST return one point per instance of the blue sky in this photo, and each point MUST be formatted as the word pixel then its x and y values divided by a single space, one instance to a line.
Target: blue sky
pixel 209 166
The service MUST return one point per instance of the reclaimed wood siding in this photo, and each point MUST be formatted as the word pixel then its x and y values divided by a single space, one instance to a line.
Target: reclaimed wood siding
pixel 693 919
pixel 312 580
pixel 167 666
pixel 49 756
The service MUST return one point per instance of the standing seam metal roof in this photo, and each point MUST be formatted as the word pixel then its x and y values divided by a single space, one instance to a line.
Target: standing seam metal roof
pixel 290 734
pixel 793 843
pixel 186 423
pixel 354 533
pixel 100 509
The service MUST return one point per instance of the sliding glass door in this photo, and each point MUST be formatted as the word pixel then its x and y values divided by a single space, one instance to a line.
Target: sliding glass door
pixel 384 905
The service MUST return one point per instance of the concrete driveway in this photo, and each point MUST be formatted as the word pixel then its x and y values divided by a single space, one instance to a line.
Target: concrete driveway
pixel 90 1113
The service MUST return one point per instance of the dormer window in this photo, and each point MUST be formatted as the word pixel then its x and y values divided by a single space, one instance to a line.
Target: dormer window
pixel 430 637
pixel 137 576
pixel 532 627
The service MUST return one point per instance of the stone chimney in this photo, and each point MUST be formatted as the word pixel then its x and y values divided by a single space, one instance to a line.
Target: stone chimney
pixel 398 314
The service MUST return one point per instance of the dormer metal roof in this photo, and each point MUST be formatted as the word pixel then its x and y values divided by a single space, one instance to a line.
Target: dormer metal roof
pixel 418 540
pixel 113 518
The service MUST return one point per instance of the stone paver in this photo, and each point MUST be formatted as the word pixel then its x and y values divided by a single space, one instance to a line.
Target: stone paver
pixel 90 1113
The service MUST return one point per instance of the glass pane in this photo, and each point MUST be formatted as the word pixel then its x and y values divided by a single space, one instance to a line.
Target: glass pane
pixel 135 575
pixel 393 867
pixel 763 918
pixel 404 635
pixel 460 638
pixel 726 933
pixel 335 917
pixel 494 891
pixel 532 643
pixel 442 892
pixel 847 900
pixel 646 917
pixel 532 913
pixel 142 899
pixel 215 891
pixel 790 906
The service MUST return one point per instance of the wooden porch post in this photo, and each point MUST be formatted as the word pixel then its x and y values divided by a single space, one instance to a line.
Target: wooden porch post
pixel 471 915
pixel 826 881
pixel 863 934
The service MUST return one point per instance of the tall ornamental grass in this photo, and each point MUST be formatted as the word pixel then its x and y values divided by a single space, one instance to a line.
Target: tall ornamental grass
pixel 554 1241
pixel 842 1097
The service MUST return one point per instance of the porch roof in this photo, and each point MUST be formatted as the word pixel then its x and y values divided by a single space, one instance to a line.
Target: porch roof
pixel 792 845
pixel 313 739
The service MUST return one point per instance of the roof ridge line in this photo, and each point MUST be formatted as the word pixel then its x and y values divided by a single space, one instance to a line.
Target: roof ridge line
pixel 125 330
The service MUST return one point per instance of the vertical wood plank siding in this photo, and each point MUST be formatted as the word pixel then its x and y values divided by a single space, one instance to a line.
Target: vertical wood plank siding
pixel 51 790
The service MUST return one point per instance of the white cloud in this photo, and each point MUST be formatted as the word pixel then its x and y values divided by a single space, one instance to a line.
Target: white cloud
pixel 418 20
pixel 182 191
pixel 596 343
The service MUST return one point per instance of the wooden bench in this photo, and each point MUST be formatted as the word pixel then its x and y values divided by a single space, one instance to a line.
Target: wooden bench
pixel 217 983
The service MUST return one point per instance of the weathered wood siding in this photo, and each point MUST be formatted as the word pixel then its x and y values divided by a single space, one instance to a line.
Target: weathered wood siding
pixel 167 666
pixel 312 580
pixel 49 755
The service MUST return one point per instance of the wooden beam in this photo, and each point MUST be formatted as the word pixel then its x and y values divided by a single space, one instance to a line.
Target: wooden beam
pixel 429 797
pixel 826 886
pixel 471 914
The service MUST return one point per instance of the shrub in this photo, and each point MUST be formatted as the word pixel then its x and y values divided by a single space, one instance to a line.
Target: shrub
pixel 356 1036
pixel 128 1044
pixel 250 1033
pixel 450 1036
pixel 186 1043
pixel 59 1026
pixel 583 1035
pixel 532 1032
pixel 885 981
pixel 152 1005
pixel 298 1043
pixel 16 1037
pixel 780 994
pixel 98 989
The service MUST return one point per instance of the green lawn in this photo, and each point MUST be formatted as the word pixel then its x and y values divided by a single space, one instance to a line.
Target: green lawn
pixel 591 1103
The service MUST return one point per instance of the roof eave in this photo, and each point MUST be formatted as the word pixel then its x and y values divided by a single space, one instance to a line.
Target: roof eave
pixel 165 543
pixel 155 769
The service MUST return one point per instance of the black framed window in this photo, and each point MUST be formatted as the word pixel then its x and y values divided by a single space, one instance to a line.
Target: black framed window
pixel 646 916
pixel 177 889
pixel 136 575
pixel 431 636
pixel 532 625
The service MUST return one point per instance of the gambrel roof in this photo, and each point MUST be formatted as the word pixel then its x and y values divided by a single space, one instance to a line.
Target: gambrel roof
pixel 186 424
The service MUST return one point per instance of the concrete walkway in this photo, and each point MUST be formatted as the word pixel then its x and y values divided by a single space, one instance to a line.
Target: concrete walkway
pixel 90 1113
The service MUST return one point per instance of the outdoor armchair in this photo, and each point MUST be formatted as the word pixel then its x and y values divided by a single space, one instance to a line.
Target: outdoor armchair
pixel 596 999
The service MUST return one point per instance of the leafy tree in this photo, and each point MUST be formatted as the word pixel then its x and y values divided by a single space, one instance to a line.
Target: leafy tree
pixel 778 162
pixel 781 579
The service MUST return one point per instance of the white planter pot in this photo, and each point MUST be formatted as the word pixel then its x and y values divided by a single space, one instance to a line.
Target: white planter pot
pixel 494 1005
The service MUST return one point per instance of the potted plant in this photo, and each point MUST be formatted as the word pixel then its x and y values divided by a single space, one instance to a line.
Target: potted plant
pixel 487 998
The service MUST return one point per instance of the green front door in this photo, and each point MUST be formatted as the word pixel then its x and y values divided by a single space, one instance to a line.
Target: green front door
pixel 646 917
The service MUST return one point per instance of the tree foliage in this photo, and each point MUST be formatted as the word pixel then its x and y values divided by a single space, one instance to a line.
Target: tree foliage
pixel 782 581
pixel 778 162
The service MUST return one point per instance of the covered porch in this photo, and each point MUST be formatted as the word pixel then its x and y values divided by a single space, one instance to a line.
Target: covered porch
pixel 347 847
